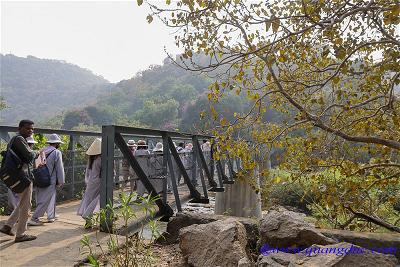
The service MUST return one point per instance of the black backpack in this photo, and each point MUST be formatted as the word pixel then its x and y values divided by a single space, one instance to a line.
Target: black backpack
pixel 42 174
pixel 12 172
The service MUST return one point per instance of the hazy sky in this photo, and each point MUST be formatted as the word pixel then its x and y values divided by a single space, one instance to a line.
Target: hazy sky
pixel 112 39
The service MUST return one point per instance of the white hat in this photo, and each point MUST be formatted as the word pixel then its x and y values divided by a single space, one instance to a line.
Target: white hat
pixel 131 143
pixel 189 146
pixel 30 140
pixel 54 139
pixel 95 148
pixel 158 148
pixel 141 143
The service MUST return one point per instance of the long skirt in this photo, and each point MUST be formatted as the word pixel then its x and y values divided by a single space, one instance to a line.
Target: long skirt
pixel 45 202
pixel 91 200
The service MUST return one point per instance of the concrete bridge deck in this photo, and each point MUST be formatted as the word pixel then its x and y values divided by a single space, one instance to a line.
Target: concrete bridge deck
pixel 58 243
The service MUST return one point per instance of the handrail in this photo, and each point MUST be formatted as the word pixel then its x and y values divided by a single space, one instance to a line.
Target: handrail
pixel 145 132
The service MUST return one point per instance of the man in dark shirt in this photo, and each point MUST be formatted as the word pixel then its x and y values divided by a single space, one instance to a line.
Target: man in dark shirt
pixel 28 156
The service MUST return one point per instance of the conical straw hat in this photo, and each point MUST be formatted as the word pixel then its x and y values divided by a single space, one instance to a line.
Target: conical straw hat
pixel 95 148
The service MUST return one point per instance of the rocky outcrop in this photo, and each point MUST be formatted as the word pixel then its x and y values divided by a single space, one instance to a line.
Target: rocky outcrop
pixel 366 240
pixel 288 229
pixel 188 218
pixel 337 255
pixel 219 243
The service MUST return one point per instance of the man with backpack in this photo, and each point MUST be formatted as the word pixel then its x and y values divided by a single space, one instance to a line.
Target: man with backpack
pixel 20 214
pixel 46 196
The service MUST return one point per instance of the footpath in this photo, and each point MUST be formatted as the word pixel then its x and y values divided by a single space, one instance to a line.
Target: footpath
pixel 57 244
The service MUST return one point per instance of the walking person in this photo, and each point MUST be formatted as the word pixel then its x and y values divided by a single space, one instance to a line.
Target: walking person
pixel 46 196
pixel 127 171
pixel 189 162
pixel 159 152
pixel 21 213
pixel 181 151
pixel 91 199
pixel 11 196
pixel 142 158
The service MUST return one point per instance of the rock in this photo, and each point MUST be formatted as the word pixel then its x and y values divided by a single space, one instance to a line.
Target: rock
pixel 366 240
pixel 275 260
pixel 219 243
pixel 245 262
pixel 188 218
pixel 337 255
pixel 346 254
pixel 285 229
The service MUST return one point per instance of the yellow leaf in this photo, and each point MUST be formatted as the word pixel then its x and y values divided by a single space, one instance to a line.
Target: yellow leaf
pixel 282 59
pixel 336 80
pixel 267 25
pixel 275 26
pixel 223 122
pixel 139 2
pixel 149 18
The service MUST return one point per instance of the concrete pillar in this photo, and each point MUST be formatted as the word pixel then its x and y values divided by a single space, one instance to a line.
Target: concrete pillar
pixel 238 199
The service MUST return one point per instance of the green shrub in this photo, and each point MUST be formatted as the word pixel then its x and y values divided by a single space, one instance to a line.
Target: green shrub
pixel 290 195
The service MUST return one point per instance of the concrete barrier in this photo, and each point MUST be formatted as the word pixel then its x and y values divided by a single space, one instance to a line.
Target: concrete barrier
pixel 238 199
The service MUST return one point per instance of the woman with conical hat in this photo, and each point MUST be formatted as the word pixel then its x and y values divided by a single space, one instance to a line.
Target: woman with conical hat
pixel 91 199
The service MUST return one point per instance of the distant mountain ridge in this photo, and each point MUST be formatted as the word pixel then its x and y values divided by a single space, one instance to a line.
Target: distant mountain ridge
pixel 39 89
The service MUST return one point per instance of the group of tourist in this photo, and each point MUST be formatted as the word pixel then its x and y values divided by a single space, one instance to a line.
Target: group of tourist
pixel 141 149
pixel 51 156
pixel 45 197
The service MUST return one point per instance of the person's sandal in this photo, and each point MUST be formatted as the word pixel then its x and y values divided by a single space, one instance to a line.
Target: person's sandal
pixel 7 230
pixel 24 238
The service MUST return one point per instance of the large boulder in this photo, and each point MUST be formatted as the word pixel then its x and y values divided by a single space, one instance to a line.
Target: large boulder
pixel 365 239
pixel 219 243
pixel 285 228
pixel 184 219
pixel 337 255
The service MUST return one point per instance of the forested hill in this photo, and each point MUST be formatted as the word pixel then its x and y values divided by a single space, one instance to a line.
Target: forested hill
pixel 162 97
pixel 40 88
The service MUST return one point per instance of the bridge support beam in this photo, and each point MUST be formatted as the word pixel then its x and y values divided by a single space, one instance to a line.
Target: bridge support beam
pixel 239 199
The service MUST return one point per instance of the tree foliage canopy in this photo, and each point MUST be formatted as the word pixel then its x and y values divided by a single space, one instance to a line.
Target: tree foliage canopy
pixel 331 66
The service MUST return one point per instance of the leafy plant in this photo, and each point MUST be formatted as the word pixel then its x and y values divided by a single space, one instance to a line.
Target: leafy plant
pixel 131 250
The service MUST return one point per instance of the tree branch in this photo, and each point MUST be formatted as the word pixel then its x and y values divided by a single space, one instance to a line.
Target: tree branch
pixel 374 220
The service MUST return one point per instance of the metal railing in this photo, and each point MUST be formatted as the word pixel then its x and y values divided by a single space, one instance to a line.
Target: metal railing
pixel 165 166
pixel 113 135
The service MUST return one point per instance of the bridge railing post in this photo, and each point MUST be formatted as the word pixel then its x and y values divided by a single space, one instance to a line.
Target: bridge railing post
pixel 197 159
pixel 193 191
pixel 171 171
pixel 211 181
pixel 107 171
